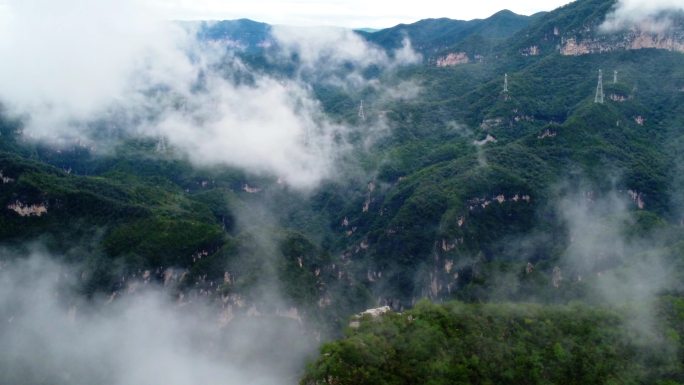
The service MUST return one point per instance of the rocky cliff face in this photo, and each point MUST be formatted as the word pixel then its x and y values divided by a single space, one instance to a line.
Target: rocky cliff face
pixel 28 210
pixel 598 26
pixel 639 37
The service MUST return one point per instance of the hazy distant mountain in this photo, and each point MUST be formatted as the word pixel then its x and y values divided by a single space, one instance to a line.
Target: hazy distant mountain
pixel 242 33
pixel 429 36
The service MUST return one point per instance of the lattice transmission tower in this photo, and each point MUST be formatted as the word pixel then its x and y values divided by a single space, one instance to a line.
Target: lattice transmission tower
pixel 362 113
pixel 507 96
pixel 599 89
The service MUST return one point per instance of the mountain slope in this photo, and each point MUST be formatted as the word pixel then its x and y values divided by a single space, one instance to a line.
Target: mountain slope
pixel 495 343
pixel 466 186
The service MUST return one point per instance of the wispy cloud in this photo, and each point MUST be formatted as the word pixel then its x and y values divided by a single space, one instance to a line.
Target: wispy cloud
pixel 646 15
pixel 621 270
pixel 50 334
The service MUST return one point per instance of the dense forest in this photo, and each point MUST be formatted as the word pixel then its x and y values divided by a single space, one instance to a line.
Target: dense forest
pixel 521 222
pixel 457 343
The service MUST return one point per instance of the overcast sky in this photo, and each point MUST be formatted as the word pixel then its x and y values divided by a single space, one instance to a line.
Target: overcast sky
pixel 345 13
pixel 348 13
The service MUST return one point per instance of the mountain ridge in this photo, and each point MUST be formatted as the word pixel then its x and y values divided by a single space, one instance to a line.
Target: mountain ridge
pixel 571 30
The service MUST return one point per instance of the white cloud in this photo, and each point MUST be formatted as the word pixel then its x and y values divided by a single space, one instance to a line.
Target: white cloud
pixel 406 54
pixel 270 127
pixel 619 269
pixel 326 53
pixel 68 64
pixel 48 333
pixel 77 56
pixel 647 15
pixel 336 45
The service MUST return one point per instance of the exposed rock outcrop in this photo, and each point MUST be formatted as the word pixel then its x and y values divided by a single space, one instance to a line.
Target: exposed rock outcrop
pixel 453 59
pixel 5 179
pixel 488 139
pixel 637 198
pixel 547 134
pixel 531 51
pixel 26 210
pixel 251 190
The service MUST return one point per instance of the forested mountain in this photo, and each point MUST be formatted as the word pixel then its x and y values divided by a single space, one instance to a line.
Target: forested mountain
pixel 524 173
pixel 431 37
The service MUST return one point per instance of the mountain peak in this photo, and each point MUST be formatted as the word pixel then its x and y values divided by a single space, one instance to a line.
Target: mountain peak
pixel 503 13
